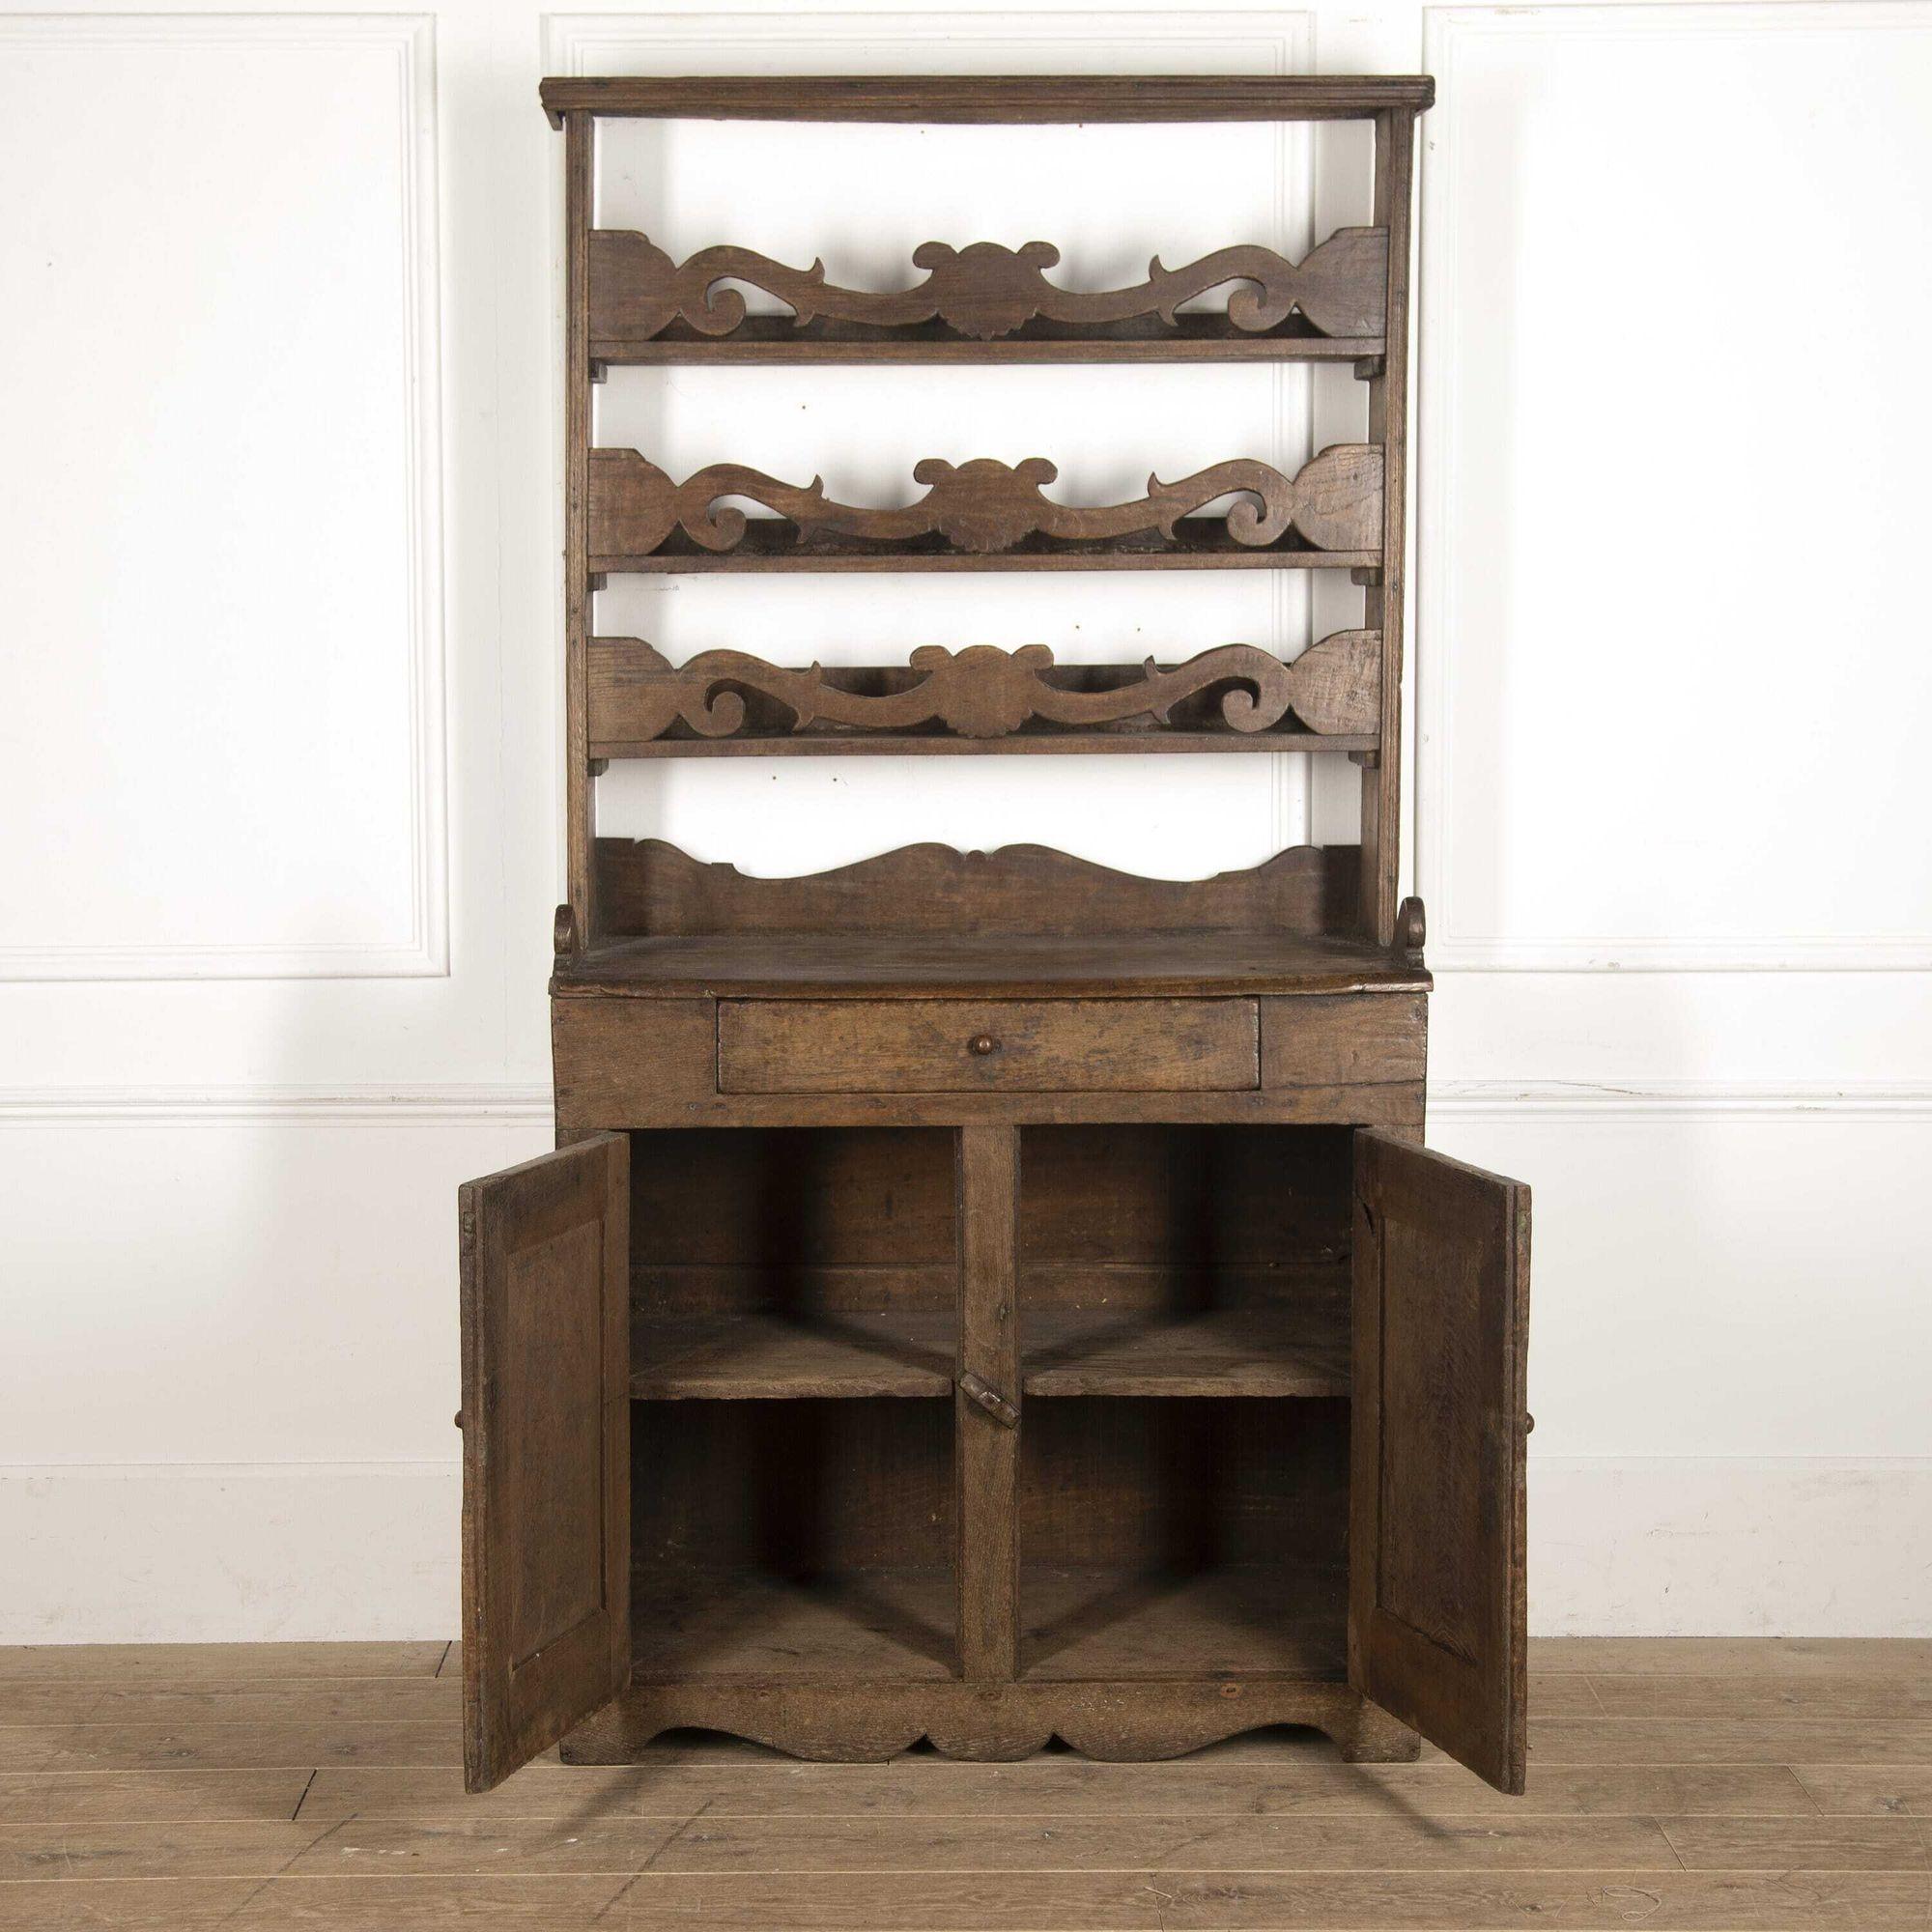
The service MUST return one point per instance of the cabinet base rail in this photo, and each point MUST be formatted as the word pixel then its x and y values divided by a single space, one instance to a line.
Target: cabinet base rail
pixel 1120 1721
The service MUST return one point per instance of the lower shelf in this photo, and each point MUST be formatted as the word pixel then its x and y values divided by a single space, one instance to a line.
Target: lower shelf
pixel 896 1625
pixel 861 1627
pixel 1235 1622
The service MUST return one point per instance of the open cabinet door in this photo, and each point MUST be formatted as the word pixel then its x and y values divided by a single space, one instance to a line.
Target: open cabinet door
pixel 546 1451
pixel 1436 1622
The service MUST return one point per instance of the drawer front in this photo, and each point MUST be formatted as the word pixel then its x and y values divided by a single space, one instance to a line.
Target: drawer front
pixel 969 1046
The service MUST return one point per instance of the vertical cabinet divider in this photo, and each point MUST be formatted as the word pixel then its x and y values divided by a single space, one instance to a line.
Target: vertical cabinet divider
pixel 986 1440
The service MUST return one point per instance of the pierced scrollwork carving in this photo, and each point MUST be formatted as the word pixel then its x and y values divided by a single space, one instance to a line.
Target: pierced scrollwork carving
pixel 984 691
pixel 986 290
pixel 984 507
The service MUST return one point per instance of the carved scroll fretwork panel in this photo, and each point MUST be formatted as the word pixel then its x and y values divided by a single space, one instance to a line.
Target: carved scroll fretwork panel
pixel 982 696
pixel 973 513
pixel 985 293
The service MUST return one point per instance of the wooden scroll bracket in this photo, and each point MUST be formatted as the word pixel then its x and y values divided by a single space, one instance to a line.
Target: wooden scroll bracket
pixel 984 293
pixel 980 509
pixel 1412 930
pixel 982 694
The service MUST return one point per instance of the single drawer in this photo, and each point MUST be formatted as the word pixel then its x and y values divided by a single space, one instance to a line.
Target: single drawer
pixel 951 1046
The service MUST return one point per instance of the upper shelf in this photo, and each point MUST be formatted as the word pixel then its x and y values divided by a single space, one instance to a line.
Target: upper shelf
pixel 994 99
pixel 988 303
pixel 985 515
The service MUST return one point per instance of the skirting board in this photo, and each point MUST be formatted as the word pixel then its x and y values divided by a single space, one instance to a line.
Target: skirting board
pixel 253 1552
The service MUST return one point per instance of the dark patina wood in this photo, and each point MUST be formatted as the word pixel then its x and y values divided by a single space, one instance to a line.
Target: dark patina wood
pixel 984 301
pixel 994 99
pixel 983 699
pixel 990 1297
pixel 651 888
pixel 985 515
pixel 958 1046
pixel 546 1450
pixel 1437 1629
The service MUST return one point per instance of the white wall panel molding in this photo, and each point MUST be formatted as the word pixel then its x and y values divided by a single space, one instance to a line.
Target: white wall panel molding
pixel 438 1105
pixel 463 1103
pixel 1560 365
pixel 1178 42
pixel 174 903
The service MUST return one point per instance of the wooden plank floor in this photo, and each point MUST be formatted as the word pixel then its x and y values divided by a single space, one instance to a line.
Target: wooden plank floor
pixel 1680 1785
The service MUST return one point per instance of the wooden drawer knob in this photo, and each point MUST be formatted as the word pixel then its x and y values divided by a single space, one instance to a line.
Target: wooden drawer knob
pixel 983 1044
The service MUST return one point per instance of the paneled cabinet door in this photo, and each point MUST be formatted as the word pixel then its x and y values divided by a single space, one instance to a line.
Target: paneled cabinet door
pixel 546 1451
pixel 1436 1622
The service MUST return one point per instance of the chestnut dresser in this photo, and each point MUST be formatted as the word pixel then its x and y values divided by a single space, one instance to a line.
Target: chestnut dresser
pixel 986 1296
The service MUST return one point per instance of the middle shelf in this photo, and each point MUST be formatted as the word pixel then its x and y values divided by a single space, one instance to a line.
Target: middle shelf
pixel 792 1265
pixel 858 1352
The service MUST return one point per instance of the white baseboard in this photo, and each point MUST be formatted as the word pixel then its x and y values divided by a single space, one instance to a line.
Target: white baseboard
pixel 1694 1547
pixel 250 1552
pixel 229 1552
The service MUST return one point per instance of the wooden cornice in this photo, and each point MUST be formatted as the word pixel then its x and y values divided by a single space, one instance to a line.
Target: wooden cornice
pixel 993 99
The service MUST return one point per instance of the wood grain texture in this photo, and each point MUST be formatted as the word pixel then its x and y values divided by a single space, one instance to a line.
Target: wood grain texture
pixel 845 1352
pixel 647 1107
pixel 983 698
pixel 546 1449
pixel 1339 1039
pixel 1384 601
pixel 1299 1778
pixel 993 99
pixel 1438 1614
pixel 986 1722
pixel 833 1046
pixel 176 1665
pixel 982 514
pixel 644 305
pixel 598 1053
pixel 908 966
pixel 1236 1351
pixel 989 1443
pixel 1181 1843
pixel 1734 1656
pixel 1268 1832
pixel 1125 1901
pixel 649 887
pixel 580 791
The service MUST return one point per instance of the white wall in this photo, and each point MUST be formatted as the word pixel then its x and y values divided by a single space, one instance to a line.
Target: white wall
pixel 279 723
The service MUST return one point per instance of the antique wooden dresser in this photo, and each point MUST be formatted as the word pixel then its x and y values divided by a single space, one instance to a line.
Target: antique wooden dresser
pixel 983 1297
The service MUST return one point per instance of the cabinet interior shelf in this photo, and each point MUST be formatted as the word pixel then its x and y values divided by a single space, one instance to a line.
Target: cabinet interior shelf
pixel 1239 1352
pixel 885 1624
pixel 850 1353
